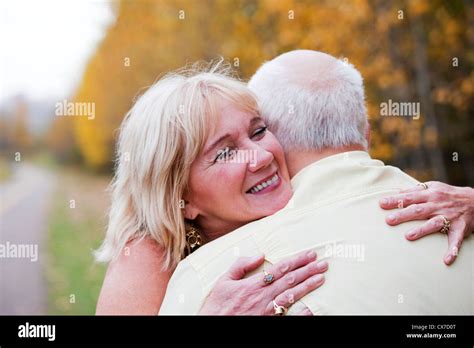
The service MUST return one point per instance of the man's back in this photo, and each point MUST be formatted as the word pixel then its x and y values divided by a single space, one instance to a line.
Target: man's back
pixel 373 269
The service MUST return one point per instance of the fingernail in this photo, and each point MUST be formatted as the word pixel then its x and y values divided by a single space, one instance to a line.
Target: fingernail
pixel 384 201
pixel 391 218
pixel 317 278
pixel 323 264
pixel 452 255
pixel 311 254
pixel 449 259
pixel 411 235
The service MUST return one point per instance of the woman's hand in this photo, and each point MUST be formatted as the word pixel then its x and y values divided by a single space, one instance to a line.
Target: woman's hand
pixel 293 278
pixel 454 203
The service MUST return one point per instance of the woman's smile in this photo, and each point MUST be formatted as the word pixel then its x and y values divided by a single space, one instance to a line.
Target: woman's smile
pixel 266 185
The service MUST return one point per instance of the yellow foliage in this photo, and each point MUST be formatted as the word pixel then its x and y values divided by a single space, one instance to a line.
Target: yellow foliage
pixel 154 38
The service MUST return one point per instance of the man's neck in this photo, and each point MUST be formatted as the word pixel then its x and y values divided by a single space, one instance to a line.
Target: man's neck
pixel 299 159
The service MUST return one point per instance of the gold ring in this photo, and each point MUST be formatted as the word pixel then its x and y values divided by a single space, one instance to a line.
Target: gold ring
pixel 446 225
pixel 424 185
pixel 279 310
pixel 268 278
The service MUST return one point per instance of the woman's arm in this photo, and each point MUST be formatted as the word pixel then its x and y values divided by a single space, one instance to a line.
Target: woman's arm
pixel 418 203
pixel 134 283
pixel 291 279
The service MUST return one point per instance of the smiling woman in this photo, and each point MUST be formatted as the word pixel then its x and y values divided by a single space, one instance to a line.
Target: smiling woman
pixel 175 144
pixel 181 141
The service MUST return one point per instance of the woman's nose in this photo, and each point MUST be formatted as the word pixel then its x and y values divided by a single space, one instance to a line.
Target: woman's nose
pixel 260 159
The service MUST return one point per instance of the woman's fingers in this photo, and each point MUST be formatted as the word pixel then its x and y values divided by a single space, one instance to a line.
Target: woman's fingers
pixel 433 201
pixel 281 268
pixel 298 276
pixel 412 195
pixel 413 212
pixel 419 187
pixel 433 225
pixel 244 265
pixel 288 297
pixel 455 238
pixel 403 200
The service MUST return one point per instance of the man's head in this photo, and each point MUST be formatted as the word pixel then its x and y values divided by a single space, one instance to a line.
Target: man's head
pixel 312 101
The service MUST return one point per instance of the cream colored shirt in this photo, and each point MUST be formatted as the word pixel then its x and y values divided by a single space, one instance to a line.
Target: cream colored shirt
pixel 373 269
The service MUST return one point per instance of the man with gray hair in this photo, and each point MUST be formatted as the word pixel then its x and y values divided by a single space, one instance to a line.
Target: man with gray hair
pixel 315 106
pixel 325 109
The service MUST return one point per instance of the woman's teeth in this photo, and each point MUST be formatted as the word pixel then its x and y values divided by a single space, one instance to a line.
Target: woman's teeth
pixel 264 184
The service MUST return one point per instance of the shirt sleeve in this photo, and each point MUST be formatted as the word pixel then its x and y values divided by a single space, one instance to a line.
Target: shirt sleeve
pixel 184 294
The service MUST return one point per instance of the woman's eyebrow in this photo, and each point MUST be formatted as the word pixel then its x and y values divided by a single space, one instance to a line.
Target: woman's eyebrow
pixel 255 120
pixel 252 122
pixel 215 143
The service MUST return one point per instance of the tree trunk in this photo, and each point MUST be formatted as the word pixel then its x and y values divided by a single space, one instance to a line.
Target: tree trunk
pixel 423 90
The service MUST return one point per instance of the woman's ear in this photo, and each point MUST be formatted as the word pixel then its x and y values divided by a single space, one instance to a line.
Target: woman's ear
pixel 190 211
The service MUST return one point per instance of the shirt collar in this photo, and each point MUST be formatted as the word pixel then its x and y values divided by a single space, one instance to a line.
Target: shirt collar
pixel 328 161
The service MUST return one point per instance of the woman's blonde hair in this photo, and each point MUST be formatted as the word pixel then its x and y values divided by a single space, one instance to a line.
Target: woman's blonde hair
pixel 159 139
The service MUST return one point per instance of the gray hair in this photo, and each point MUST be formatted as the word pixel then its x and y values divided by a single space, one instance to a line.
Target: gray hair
pixel 312 101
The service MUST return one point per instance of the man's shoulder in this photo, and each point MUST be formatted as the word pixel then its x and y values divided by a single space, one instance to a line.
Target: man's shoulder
pixel 345 176
pixel 230 245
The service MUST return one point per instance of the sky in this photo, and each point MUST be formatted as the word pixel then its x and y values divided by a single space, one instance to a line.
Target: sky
pixel 46 44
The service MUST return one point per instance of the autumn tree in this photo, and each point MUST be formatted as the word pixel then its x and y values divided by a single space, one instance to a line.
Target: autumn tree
pixel 407 51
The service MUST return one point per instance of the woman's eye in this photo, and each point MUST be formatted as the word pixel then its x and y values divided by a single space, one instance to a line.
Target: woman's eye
pixel 224 154
pixel 261 131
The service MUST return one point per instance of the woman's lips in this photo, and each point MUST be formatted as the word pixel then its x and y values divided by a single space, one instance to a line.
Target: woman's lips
pixel 271 187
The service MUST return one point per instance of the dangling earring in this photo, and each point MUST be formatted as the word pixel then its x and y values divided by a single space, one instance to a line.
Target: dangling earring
pixel 193 239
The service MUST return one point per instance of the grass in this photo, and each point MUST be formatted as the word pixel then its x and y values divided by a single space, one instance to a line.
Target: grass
pixel 44 159
pixel 5 171
pixel 74 279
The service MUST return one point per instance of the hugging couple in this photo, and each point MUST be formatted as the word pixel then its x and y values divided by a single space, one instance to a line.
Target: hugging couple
pixel 302 230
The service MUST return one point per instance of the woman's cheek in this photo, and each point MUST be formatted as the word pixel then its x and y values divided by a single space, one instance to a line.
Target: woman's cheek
pixel 229 177
pixel 271 144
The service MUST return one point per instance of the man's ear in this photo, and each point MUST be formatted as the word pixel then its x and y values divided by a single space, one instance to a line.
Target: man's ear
pixel 190 211
pixel 367 135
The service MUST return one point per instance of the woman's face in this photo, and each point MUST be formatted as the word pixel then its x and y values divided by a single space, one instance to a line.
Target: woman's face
pixel 240 175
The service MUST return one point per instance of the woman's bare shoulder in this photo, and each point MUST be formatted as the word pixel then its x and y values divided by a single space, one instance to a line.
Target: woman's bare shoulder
pixel 135 282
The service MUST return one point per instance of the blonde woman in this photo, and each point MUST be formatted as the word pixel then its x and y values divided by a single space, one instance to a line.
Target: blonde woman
pixel 174 190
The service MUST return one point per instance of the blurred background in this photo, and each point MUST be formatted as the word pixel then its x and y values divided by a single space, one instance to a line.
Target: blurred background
pixel 55 165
